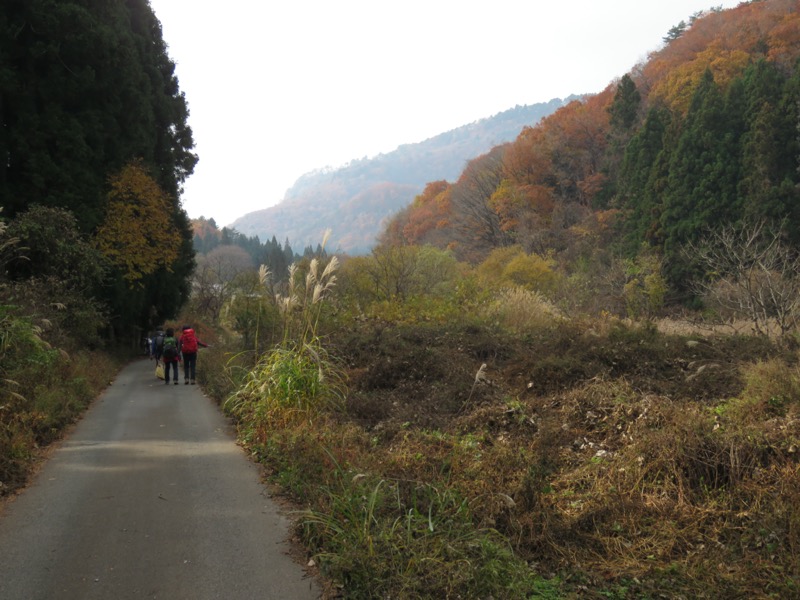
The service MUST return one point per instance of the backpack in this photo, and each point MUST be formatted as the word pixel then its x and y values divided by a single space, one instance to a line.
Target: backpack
pixel 170 348
pixel 159 341
pixel 189 342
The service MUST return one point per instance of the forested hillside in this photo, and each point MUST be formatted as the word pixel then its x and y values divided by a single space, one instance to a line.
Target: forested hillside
pixel 355 200
pixel 702 134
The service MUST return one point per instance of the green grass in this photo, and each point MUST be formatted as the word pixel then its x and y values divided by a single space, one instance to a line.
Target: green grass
pixel 413 540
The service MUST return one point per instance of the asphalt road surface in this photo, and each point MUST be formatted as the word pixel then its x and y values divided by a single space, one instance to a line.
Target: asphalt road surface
pixel 149 497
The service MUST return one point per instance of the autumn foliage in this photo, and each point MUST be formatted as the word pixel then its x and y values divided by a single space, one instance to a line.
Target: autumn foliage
pixel 136 234
pixel 698 135
pixel 429 213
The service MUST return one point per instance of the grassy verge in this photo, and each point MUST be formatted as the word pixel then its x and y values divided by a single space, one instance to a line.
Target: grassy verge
pixel 41 394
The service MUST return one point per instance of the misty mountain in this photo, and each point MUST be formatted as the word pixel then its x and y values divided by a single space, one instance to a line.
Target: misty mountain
pixel 354 200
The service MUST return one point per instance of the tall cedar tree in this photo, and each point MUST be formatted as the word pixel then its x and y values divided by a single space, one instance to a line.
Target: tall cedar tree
pixel 625 107
pixel 703 173
pixel 86 88
pixel 770 146
pixel 641 180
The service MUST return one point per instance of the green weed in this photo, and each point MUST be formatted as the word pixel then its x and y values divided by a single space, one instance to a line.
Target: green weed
pixel 393 537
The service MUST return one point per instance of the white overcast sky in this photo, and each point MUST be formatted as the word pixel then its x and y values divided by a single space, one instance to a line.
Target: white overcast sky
pixel 278 88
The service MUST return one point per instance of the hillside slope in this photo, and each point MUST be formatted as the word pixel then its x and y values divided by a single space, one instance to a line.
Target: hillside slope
pixel 355 200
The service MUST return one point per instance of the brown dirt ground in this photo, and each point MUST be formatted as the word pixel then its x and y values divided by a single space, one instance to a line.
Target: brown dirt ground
pixel 425 375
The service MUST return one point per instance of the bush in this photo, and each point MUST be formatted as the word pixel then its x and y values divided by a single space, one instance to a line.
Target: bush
pixel 42 390
pixel 287 383
pixel 520 310
pixel 512 266
pixel 772 388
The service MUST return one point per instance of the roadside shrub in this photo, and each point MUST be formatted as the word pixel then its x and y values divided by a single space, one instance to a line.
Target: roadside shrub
pixel 521 310
pixel 288 383
pixel 50 246
pixel 66 318
pixel 42 390
pixel 222 369
pixel 297 379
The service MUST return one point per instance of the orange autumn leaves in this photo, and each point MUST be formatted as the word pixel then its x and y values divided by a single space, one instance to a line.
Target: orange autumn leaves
pixel 725 43
pixel 567 163
pixel 136 235
pixel 560 160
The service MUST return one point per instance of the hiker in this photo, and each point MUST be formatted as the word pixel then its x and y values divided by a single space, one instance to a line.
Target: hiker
pixel 188 345
pixel 171 355
pixel 157 345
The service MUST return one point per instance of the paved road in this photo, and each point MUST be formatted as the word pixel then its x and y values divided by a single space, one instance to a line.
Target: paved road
pixel 149 497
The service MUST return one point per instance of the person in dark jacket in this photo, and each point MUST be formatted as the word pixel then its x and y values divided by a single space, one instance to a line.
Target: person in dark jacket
pixel 170 355
pixel 189 344
pixel 157 344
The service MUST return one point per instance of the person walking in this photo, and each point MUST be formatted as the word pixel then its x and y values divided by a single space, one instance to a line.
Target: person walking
pixel 170 355
pixel 157 344
pixel 189 345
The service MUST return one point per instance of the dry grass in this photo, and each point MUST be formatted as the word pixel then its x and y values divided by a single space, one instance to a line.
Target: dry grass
pixel 708 328
pixel 521 310
pixel 37 403
pixel 614 456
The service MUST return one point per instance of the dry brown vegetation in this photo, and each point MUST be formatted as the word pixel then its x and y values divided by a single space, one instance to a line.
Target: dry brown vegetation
pixel 622 461
pixel 491 445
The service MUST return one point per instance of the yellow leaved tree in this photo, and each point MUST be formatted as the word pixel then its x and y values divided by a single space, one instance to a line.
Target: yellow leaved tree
pixel 678 87
pixel 136 234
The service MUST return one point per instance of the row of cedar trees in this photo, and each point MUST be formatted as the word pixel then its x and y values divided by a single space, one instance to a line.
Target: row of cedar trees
pixel 704 133
pixel 95 148
pixel 276 256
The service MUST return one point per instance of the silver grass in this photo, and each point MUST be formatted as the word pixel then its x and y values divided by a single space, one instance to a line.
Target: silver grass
pixel 228 307
pixel 292 271
pixel 325 237
pixel 311 276
pixel 317 360
pixel 479 376
pixel 281 302
pixel 321 289
pixel 317 296
pixel 331 267
pixel 287 303
pixel 263 275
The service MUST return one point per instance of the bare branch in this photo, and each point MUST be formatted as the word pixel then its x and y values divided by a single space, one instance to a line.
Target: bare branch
pixel 750 272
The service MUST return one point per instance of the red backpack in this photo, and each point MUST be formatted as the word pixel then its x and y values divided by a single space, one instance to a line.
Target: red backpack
pixel 189 342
